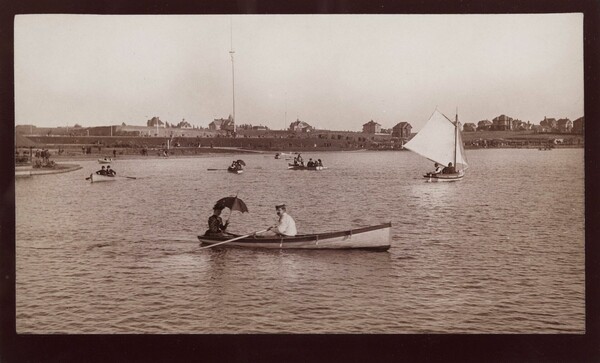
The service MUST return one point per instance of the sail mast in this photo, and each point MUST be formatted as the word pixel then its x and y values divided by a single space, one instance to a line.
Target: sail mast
pixel 455 139
pixel 231 52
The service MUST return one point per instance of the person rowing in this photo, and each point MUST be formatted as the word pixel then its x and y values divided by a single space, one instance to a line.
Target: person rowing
pixel 101 171
pixel 286 226
pixel 110 172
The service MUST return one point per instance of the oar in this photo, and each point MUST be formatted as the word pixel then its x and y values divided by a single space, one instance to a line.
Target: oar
pixel 128 177
pixel 233 239
pixel 89 177
pixel 215 169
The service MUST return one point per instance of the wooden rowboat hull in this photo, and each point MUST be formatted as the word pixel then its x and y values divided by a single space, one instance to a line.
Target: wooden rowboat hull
pixel 105 161
pixel 97 178
pixel 374 238
pixel 300 167
pixel 235 171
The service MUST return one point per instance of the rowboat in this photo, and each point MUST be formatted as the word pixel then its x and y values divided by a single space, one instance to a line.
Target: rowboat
pixel 286 156
pixel 235 170
pixel 97 178
pixel 374 238
pixel 105 161
pixel 304 167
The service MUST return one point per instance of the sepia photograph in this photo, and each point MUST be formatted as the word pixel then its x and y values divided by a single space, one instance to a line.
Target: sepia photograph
pixel 291 174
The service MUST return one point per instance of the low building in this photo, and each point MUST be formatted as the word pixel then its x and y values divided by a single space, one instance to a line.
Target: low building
pixel 402 130
pixel 484 125
pixel 549 122
pixel 502 123
pixel 225 124
pixel 300 126
pixel 372 127
pixel 578 126
pixel 564 125
pixel 469 127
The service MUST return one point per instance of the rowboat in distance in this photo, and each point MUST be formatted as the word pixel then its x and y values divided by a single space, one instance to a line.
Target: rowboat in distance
pixel 97 178
pixel 105 160
pixel 373 238
pixel 235 170
pixel 286 156
pixel 304 167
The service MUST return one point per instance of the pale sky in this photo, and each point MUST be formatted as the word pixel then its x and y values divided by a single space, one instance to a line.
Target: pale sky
pixel 332 71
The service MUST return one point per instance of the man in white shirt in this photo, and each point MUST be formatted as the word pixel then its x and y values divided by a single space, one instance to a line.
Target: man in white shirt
pixel 286 225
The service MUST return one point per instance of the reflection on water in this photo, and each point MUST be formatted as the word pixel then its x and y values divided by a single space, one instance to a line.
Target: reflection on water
pixel 501 251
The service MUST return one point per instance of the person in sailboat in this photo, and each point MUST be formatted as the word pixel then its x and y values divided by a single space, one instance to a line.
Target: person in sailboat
pixel 215 222
pixel 449 169
pixel 438 169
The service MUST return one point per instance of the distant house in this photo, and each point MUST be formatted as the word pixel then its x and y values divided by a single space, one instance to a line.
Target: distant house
pixel 300 126
pixel 564 125
pixel 372 127
pixel 578 126
pixel 550 123
pixel 469 127
pixel 484 125
pixel 502 123
pixel 401 130
pixel 154 121
pixel 525 126
pixel 226 124
pixel 539 129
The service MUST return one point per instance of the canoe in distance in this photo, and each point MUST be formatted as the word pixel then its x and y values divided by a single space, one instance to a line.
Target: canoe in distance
pixel 374 238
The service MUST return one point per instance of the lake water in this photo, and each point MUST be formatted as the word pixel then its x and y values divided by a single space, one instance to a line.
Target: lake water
pixel 501 251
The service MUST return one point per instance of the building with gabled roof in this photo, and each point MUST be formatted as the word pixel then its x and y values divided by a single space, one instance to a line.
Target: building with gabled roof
pixel 372 127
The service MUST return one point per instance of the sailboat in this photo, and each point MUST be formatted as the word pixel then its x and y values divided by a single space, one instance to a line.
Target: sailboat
pixel 440 141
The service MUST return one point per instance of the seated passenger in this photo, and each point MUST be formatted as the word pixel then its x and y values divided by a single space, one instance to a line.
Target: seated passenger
pixel 101 171
pixel 310 162
pixel 110 172
pixel 449 169
pixel 319 162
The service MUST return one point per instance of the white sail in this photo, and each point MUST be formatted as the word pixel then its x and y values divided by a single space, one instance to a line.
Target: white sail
pixel 439 141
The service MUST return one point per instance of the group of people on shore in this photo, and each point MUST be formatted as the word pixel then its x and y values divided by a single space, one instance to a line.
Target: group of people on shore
pixel 106 172
pixel 298 161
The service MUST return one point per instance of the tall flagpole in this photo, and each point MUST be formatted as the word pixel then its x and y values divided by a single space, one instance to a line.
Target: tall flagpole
pixel 231 52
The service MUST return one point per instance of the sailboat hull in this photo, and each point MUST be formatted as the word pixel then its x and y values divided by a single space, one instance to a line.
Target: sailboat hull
pixel 440 178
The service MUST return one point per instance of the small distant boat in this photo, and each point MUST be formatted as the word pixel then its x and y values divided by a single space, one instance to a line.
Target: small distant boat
pixel 22 173
pixel 105 160
pixel 235 170
pixel 440 141
pixel 286 156
pixel 374 238
pixel 304 167
pixel 97 178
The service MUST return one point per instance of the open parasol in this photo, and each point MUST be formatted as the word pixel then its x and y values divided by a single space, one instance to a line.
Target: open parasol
pixel 233 203
pixel 241 162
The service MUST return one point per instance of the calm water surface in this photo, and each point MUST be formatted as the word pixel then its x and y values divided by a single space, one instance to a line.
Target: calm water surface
pixel 500 252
